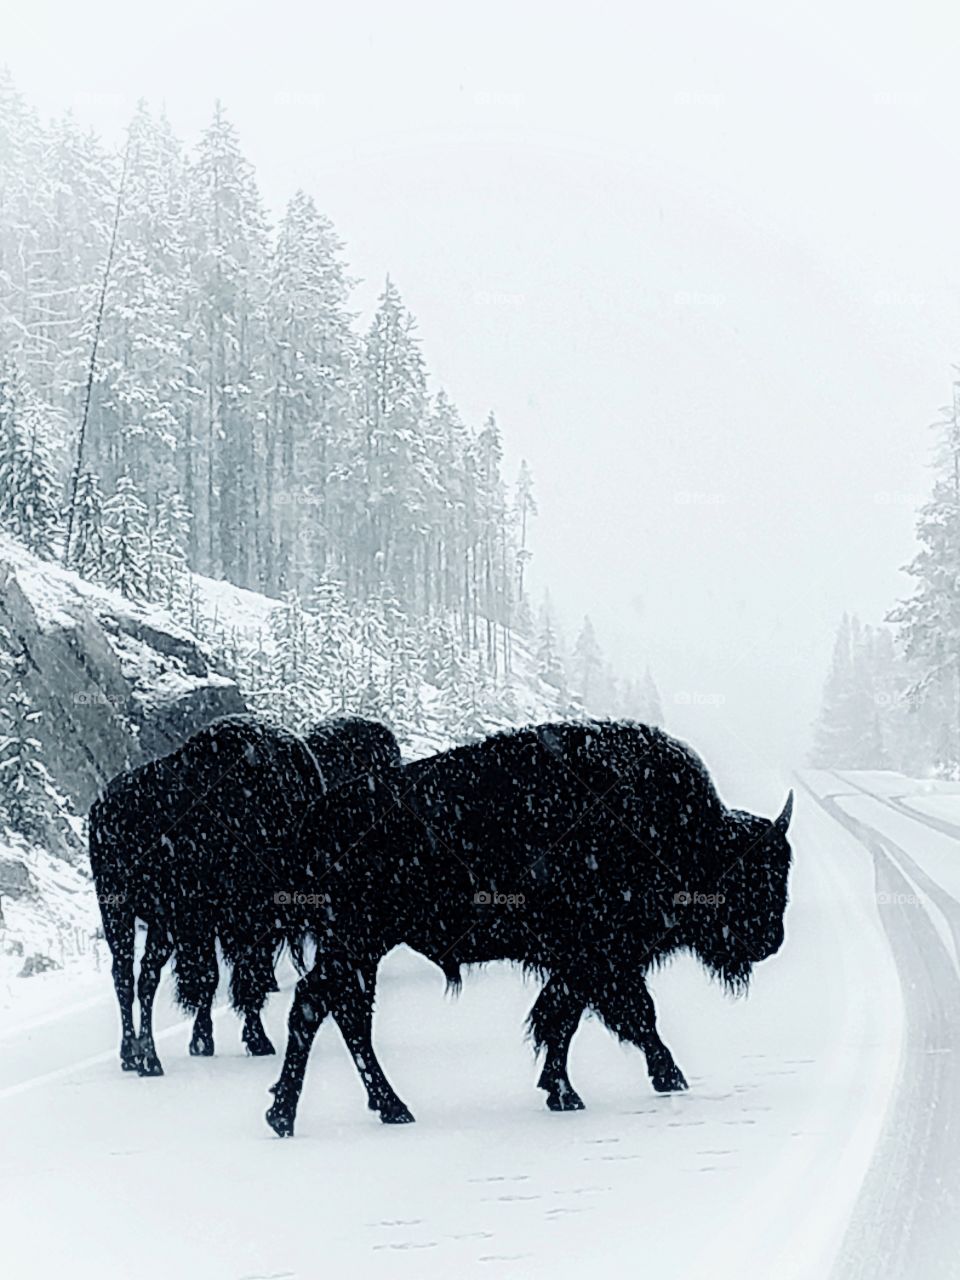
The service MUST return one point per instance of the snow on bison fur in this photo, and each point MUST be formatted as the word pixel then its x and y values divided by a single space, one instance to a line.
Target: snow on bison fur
pixel 203 844
pixel 587 853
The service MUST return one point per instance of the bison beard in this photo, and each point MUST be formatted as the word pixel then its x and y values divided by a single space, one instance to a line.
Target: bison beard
pixel 587 853
pixel 198 845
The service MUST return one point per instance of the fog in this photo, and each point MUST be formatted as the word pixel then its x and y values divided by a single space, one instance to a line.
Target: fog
pixel 701 262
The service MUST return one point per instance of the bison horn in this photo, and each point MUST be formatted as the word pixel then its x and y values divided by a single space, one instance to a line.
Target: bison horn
pixel 783 821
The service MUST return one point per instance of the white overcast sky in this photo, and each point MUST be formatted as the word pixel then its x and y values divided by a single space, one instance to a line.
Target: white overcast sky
pixel 702 259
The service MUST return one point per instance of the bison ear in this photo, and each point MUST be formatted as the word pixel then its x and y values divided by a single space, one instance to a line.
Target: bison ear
pixel 783 821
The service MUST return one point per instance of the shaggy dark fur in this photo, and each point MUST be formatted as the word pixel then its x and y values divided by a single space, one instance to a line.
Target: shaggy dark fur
pixel 588 853
pixel 350 747
pixel 203 844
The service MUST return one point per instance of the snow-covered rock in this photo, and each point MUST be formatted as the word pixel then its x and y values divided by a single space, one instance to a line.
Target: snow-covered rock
pixel 115 683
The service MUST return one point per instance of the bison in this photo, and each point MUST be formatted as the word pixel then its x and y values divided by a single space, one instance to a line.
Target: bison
pixel 202 845
pixel 587 852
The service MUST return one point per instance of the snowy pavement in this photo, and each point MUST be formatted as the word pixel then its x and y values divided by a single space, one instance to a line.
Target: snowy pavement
pixel 817 1139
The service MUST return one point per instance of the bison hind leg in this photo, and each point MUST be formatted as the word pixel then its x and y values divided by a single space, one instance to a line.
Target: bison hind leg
pixel 256 1041
pixel 665 1075
pixel 561 1095
pixel 552 1022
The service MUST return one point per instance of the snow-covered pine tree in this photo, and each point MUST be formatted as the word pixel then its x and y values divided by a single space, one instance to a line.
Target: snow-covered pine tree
pixel 549 651
pixel 929 621
pixel 651 709
pixel 525 506
pixel 397 468
pixel 335 656
pixel 170 540
pixel 142 409
pixel 229 256
pixel 28 481
pixel 311 414
pixel 587 663
pixel 301 696
pixel 125 536
pixel 24 780
pixel 87 548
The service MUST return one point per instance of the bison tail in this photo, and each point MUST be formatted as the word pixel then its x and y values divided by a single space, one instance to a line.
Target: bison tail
pixel 454 977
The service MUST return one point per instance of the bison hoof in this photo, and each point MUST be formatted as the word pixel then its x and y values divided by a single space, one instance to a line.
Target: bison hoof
pixel 566 1099
pixel 259 1047
pixel 201 1047
pixel 149 1065
pixel 280 1122
pixel 130 1054
pixel 396 1113
pixel 670 1080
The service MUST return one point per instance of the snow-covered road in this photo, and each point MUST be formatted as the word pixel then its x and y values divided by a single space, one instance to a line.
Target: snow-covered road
pixel 907 1217
pixel 819 1135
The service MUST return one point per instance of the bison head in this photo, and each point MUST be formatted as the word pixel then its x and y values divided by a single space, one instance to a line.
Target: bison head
pixel 738 920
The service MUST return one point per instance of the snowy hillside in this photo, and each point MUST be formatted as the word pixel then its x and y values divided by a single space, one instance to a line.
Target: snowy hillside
pixel 113 683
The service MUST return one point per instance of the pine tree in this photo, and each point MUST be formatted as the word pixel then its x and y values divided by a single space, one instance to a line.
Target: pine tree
pixel 125 535
pixel 588 663
pixel 142 406
pixel 397 466
pixel 23 777
pixel 652 704
pixel 28 482
pixel 550 665
pixel 929 621
pixel 311 408
pixel 87 549
pixel 168 570
pixel 229 254
pixel 526 507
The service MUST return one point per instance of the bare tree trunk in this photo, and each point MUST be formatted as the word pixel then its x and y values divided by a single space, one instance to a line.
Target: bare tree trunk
pixel 91 371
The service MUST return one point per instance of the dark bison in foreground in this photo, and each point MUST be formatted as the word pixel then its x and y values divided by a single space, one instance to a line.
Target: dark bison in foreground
pixel 200 845
pixel 588 853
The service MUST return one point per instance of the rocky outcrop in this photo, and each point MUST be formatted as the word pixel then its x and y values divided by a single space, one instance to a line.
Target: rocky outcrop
pixel 115 684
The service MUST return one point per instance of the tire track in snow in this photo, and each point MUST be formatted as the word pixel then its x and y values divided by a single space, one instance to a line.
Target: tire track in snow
pixel 905 1223
pixel 899 805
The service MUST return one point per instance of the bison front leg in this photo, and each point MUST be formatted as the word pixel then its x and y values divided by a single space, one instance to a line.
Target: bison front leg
pixel 155 956
pixel 118 928
pixel 625 1005
pixel 553 1020
pixel 312 1001
pixel 354 1017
